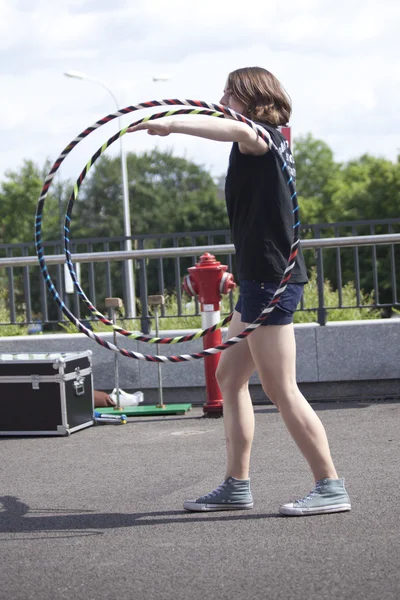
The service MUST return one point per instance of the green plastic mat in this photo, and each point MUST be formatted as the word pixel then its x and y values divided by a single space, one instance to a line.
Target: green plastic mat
pixel 146 411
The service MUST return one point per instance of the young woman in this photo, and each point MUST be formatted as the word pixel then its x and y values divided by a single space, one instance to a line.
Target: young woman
pixel 260 214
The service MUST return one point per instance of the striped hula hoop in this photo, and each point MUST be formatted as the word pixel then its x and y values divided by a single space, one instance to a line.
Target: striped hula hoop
pixel 215 110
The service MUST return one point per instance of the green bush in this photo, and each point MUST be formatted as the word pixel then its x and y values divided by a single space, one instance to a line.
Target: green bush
pixel 331 302
pixel 9 330
pixel 191 321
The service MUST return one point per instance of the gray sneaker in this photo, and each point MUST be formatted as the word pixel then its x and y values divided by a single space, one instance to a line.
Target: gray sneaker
pixel 232 494
pixel 328 496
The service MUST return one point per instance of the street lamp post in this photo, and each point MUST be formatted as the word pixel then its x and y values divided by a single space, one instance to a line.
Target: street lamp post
pixel 128 264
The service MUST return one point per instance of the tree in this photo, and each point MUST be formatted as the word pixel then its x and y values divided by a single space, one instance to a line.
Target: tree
pixel 167 194
pixel 369 190
pixel 318 177
pixel 19 193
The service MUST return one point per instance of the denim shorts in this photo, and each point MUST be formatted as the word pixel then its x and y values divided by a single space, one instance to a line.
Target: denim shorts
pixel 255 296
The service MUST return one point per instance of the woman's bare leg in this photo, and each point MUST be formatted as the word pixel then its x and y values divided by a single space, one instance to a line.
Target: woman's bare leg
pixel 233 373
pixel 273 350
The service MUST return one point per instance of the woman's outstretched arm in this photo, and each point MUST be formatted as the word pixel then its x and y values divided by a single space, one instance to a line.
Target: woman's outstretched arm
pixel 211 128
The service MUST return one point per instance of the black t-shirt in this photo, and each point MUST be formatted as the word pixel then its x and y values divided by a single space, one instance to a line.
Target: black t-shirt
pixel 260 211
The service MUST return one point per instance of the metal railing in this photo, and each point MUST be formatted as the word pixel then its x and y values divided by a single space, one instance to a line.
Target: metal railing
pixel 158 269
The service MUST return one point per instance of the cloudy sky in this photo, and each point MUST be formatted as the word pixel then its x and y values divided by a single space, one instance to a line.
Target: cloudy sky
pixel 338 59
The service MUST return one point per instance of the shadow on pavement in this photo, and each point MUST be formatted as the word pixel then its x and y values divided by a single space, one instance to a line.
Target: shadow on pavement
pixel 17 517
pixel 270 408
pixel 317 406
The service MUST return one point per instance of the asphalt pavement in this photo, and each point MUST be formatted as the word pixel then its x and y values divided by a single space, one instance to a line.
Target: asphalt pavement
pixel 98 515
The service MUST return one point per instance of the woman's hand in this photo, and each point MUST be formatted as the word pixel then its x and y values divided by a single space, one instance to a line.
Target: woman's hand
pixel 160 127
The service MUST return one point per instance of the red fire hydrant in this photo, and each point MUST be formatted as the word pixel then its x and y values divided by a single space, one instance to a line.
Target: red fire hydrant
pixel 208 280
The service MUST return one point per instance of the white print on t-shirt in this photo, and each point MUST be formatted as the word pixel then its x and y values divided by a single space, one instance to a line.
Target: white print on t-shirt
pixel 287 156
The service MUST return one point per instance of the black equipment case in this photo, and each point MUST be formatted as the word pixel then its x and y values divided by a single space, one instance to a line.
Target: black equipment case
pixel 45 393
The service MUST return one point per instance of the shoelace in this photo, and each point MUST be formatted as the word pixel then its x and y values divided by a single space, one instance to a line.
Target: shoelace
pixel 215 492
pixel 310 495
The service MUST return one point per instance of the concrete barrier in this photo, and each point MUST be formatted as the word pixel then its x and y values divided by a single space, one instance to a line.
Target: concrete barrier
pixel 342 360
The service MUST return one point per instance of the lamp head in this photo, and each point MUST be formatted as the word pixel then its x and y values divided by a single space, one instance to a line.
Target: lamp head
pixel 161 77
pixel 75 74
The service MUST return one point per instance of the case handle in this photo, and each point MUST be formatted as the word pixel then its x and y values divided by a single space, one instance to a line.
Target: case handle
pixel 79 383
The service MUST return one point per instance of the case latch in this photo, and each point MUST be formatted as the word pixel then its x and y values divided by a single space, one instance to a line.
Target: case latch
pixel 35 382
pixel 79 383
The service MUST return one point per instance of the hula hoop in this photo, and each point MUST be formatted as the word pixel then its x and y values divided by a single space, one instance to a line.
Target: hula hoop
pixel 74 195
pixel 215 110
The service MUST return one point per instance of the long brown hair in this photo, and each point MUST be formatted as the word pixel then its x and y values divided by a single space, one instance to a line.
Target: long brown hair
pixel 263 95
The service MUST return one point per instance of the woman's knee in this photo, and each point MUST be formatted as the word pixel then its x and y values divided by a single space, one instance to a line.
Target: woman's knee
pixel 222 374
pixel 280 392
pixel 229 378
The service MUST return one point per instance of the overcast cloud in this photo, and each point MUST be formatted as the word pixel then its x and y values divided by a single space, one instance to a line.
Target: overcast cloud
pixel 337 59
